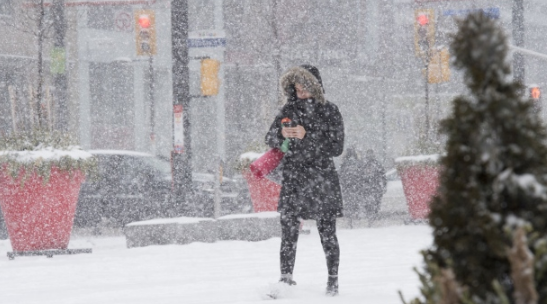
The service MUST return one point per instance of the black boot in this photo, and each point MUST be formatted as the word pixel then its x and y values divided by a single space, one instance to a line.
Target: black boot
pixel 287 279
pixel 332 286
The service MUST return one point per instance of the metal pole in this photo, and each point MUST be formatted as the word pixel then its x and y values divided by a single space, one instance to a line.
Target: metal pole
pixel 518 39
pixel 427 96
pixel 60 80
pixel 529 52
pixel 39 90
pixel 181 160
pixel 152 104
pixel 384 131
pixel 276 52
pixel 220 111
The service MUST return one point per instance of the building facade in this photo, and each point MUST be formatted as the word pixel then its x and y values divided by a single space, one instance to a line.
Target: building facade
pixel 365 50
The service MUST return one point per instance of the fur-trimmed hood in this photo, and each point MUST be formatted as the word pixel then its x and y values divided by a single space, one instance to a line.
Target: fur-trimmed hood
pixel 304 77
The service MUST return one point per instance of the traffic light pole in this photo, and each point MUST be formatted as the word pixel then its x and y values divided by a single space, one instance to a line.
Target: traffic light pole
pixel 152 103
pixel 518 38
pixel 181 157
pixel 427 95
pixel 425 40
pixel 220 113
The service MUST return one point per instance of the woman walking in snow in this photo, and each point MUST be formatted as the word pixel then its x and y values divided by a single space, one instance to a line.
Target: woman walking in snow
pixel 310 188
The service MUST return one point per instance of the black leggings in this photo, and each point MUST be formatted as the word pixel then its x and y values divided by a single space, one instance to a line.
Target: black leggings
pixel 290 226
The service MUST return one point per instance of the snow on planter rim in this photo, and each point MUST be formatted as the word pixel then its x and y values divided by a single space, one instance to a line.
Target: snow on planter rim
pixel 418 159
pixel 41 160
pixel 250 156
pixel 45 154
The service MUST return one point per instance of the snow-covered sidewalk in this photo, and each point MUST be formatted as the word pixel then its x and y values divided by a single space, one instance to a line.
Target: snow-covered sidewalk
pixel 375 264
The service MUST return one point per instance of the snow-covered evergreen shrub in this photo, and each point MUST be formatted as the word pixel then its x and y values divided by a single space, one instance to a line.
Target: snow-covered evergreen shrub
pixel 253 151
pixel 39 150
pixel 494 175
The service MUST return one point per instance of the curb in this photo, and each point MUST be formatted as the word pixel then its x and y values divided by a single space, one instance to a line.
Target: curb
pixel 184 230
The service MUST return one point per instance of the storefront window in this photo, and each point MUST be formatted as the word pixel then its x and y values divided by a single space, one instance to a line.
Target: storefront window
pixel 6 7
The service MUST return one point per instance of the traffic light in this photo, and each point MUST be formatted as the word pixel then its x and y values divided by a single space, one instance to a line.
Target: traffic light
pixel 145 32
pixel 209 77
pixel 535 93
pixel 424 31
pixel 439 66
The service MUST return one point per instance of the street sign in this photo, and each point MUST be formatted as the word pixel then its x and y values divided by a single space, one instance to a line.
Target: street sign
pixel 178 129
pixel 207 39
pixel 492 12
pixel 206 43
pixel 123 21
pixel 58 60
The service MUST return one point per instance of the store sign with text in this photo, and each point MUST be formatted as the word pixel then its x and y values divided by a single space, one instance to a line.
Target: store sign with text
pixel 178 129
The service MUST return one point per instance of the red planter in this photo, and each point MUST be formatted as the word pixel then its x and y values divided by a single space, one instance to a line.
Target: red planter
pixel 266 163
pixel 39 216
pixel 264 192
pixel 420 181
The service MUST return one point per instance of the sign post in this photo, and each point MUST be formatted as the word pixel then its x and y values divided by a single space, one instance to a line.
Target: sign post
pixel 209 46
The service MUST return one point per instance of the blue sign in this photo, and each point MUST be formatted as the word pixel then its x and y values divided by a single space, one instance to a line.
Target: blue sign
pixel 492 12
pixel 206 42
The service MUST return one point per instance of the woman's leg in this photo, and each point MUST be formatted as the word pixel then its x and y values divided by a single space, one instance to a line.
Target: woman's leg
pixel 289 237
pixel 327 232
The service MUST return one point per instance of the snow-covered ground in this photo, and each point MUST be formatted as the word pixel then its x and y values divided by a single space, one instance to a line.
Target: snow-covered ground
pixel 376 262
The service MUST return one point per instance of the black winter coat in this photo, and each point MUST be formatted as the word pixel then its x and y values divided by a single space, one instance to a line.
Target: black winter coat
pixel 352 182
pixel 374 177
pixel 311 187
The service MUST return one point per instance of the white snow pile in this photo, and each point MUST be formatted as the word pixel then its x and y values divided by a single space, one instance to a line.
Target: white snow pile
pixel 526 182
pixel 178 220
pixel 251 156
pixel 416 159
pixel 46 154
pixel 195 220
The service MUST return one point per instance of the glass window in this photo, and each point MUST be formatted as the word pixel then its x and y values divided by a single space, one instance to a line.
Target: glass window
pixel 158 164
pixel 111 88
pixel 100 18
pixel 6 7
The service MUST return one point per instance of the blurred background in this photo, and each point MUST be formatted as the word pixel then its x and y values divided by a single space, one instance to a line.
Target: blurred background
pixel 107 64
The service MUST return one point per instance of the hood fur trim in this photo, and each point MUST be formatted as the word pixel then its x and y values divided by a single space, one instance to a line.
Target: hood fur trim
pixel 305 78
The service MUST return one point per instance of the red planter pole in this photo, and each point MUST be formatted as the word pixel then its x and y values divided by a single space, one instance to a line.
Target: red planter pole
pixel 38 215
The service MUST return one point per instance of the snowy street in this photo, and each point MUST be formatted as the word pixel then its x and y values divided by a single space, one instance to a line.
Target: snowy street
pixel 376 262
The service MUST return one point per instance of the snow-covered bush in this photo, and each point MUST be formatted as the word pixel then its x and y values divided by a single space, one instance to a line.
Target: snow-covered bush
pixel 425 145
pixel 39 150
pixel 489 217
pixel 253 151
